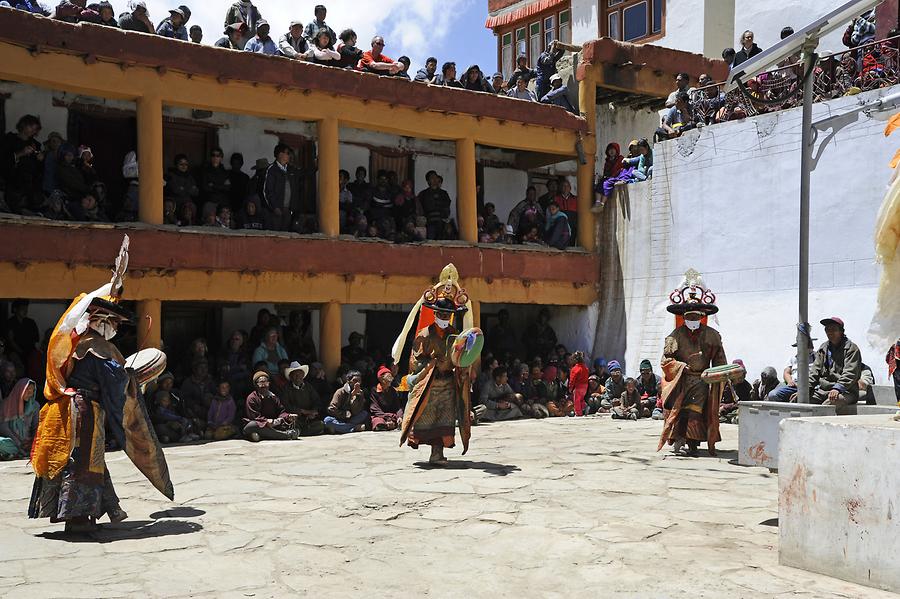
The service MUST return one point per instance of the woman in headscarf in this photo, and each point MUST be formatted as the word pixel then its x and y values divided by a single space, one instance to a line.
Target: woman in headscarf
pixel 473 80
pixel 18 420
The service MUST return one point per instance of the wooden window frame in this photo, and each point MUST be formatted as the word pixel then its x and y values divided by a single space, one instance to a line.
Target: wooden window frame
pixel 619 6
pixel 524 26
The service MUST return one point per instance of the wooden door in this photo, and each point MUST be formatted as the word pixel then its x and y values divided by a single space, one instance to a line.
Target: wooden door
pixel 195 140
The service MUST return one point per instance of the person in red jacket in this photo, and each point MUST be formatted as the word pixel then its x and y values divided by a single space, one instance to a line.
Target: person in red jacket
pixel 578 382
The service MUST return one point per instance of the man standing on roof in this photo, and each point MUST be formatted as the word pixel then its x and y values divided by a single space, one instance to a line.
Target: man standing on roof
pixel 313 27
pixel 244 11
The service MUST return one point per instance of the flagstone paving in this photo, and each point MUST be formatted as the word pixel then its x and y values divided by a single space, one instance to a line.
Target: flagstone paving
pixel 555 508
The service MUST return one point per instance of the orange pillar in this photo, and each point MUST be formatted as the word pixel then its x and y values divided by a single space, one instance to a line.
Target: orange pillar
pixel 329 187
pixel 330 337
pixel 149 324
pixel 466 193
pixel 587 102
pixel 476 313
pixel 150 159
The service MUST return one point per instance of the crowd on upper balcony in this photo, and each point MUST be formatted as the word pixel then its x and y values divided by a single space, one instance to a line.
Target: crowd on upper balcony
pixel 245 29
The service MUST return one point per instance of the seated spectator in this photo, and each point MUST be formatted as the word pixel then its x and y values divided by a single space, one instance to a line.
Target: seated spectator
pixel 498 84
pixel 321 53
pixel 350 54
pixel 866 385
pixel 629 407
pixel 568 202
pixel 266 418
pixel 615 171
pixel 834 377
pixel 766 383
pixel 561 403
pixel 208 215
pixel 642 164
pixel 107 15
pixel 270 351
pixel 649 385
pixel 51 161
pixel 748 49
pixel 215 180
pixel 196 34
pixel 728 406
pixel 594 396
pixel 682 84
pixel 614 385
pixel 173 27
pixel 473 80
pixel 374 61
pixel 558 95
pixel 234 363
pixel 313 27
pixel 428 73
pixel 435 204
pixel 406 205
pixel 220 418
pixel 187 215
pixel 386 405
pixel 180 183
pixel 19 411
pixel 244 11
pixel 281 190
pixel 531 235
pixel 552 190
pixel 521 91
pixel 69 178
pixel 86 210
pixel 55 207
pixel 292 44
pixel 234 37
pixel 448 75
pixel 539 337
pixel 196 394
pixel 501 401
pixel 223 218
pixel 361 190
pixel 263 326
pixel 278 380
pixel 490 216
pixel 137 19
pixel 709 102
pixel 302 399
pixel 353 352
pixel 788 390
pixel 347 411
pixel 250 217
pixel 521 72
pixel 170 426
pixel 262 43
pixel 557 232
pixel 677 120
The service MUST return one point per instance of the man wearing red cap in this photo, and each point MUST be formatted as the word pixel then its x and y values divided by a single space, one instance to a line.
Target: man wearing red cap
pixel 386 406
pixel 834 377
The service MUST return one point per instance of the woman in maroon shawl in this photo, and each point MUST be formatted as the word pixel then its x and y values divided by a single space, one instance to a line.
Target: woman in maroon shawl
pixel 386 408
pixel 614 170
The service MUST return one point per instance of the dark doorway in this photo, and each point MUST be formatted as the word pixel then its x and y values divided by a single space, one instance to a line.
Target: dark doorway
pixel 182 322
pixel 382 329
pixel 194 140
pixel 110 134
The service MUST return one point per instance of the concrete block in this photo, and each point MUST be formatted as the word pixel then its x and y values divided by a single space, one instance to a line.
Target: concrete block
pixel 839 497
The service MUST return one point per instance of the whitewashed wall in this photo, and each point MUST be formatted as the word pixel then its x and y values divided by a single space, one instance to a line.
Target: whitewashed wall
pixel 725 201
pixel 505 188
pixel 445 167
pixel 353 157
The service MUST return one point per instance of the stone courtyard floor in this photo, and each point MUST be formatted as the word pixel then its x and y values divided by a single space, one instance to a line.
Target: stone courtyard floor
pixel 556 508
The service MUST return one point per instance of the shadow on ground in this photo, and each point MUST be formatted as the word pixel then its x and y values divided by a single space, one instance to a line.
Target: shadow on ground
pixel 177 512
pixel 137 529
pixel 488 467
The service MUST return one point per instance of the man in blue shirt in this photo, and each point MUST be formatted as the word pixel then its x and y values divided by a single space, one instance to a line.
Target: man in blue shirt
pixel 557 95
pixel 262 43
pixel 173 27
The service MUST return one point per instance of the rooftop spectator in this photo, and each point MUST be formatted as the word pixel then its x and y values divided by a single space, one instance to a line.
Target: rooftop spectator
pixel 748 50
pixel 18 417
pixel 262 43
pixel 473 80
pixel 21 164
pixel 386 405
pixel 682 84
pixel 244 11
pixel 31 6
pixel 302 399
pixel 215 182
pixel 270 351
pixel 239 182
pixel 292 44
pixel 137 18
pixel 546 68
pixel 708 102
pixel 557 232
pixel 266 418
pixel 428 73
pixel 435 204
pixel 318 23
pixel 72 11
pixel 347 411
pixel 180 183
pixel 107 15
pixel 374 61
pixel 677 119
pixel 404 72
pixel 173 27
pixel 320 51
pixel 521 91
pixel 498 84
pixel 234 38
pixel 558 95
pixel 196 35
pixel 522 72
pixel 448 75
pixel 350 54
pixel 281 190
pixel 220 418
pixel 861 31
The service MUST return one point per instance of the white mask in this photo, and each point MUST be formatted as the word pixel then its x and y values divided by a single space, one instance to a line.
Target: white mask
pixel 106 329
pixel 442 324
pixel 692 325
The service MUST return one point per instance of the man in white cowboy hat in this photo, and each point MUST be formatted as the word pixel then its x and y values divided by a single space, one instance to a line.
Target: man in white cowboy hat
pixel 692 411
pixel 303 400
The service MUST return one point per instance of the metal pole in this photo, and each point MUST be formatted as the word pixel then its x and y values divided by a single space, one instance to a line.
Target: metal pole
pixel 806 150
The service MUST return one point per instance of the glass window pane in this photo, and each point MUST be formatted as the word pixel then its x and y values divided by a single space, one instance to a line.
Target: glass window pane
pixel 563 17
pixel 521 48
pixel 520 34
pixel 565 33
pixel 535 49
pixel 507 59
pixel 614 26
pixel 615 2
pixel 507 39
pixel 657 15
pixel 635 18
pixel 535 29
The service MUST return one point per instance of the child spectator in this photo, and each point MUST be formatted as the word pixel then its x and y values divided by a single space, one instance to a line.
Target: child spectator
pixel 594 396
pixel 629 407
pixel 170 426
pixel 578 382
pixel 220 419
pixel 614 171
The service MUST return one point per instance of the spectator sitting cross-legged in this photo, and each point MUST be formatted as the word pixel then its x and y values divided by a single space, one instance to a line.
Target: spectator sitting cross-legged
pixel 302 399
pixel 374 61
pixel 292 44
pixel 629 407
pixel 266 418
pixel 501 401
pixel 593 397
pixel 170 426
pixel 649 385
pixel 220 418
pixel 262 43
pixel 386 405
pixel 347 411
pixel 614 385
